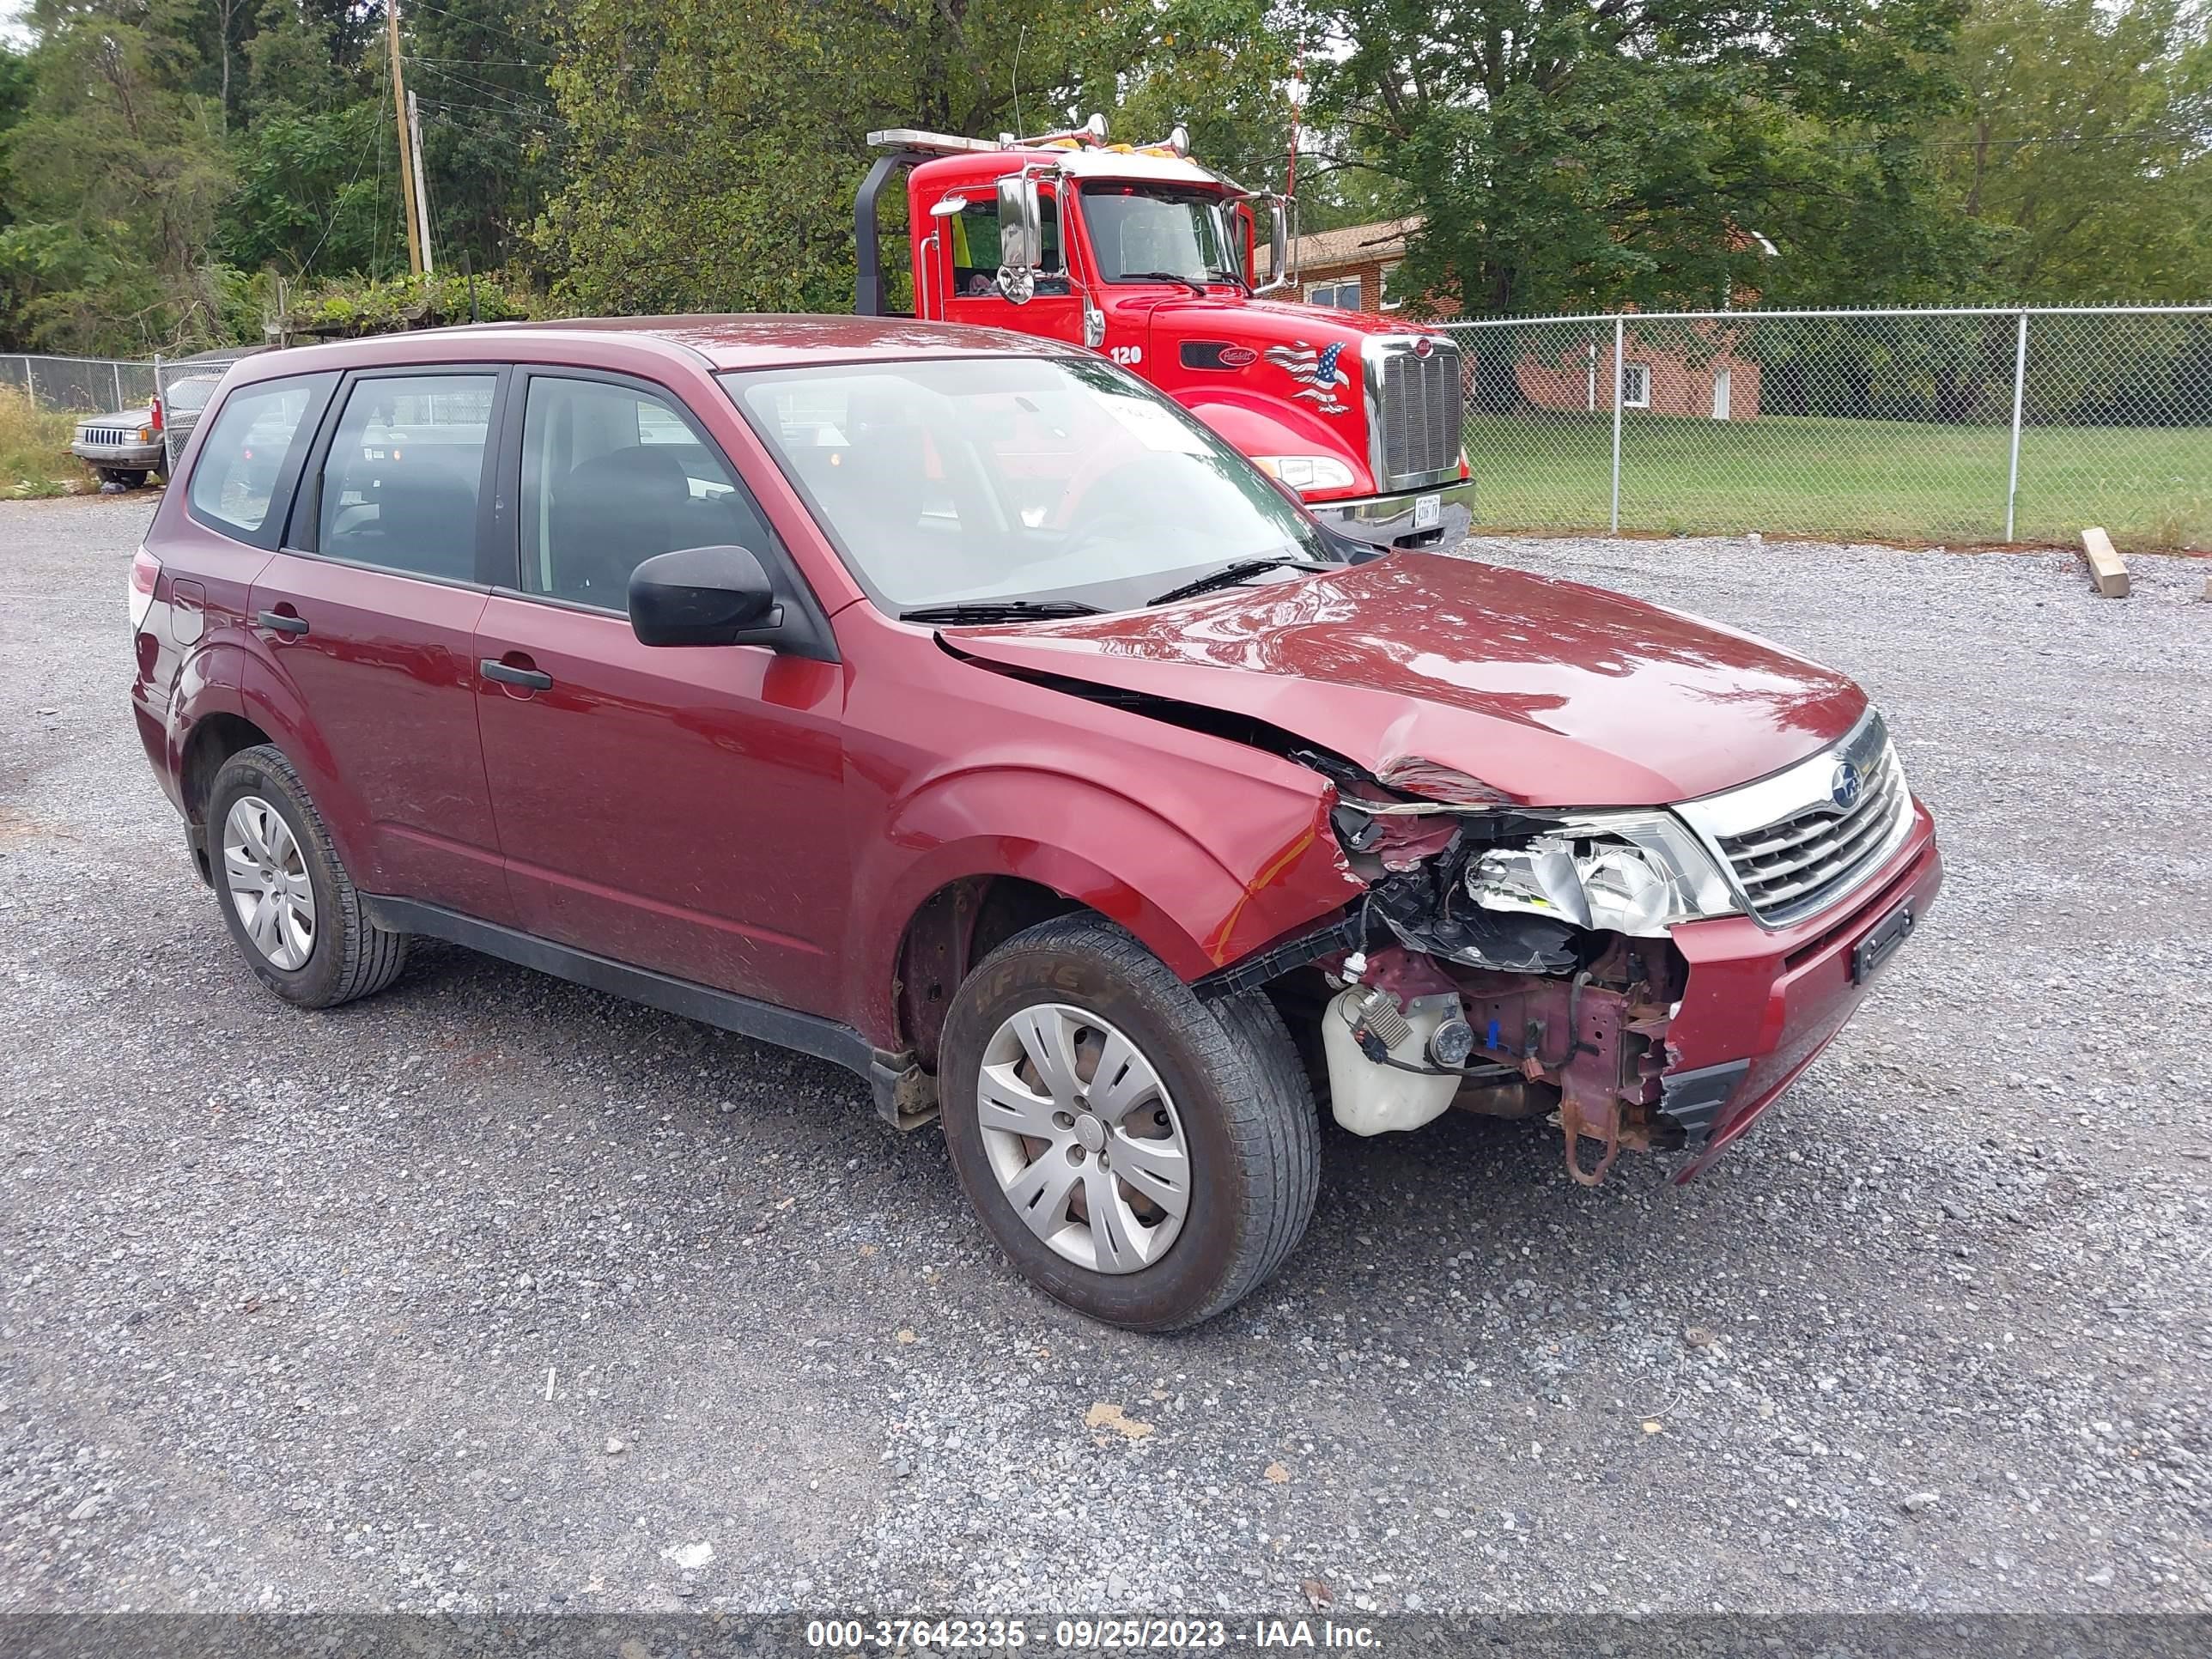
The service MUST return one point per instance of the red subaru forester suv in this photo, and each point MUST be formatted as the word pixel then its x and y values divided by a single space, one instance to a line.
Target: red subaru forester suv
pixel 948 704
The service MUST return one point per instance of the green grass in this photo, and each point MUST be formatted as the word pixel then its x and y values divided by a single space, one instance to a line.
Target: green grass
pixel 1885 480
pixel 35 448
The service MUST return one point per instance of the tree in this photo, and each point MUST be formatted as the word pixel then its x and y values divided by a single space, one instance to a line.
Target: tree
pixel 114 177
pixel 2085 142
pixel 479 70
pixel 1652 152
pixel 713 148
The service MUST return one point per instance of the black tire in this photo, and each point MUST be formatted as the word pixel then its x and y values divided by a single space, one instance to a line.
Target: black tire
pixel 350 956
pixel 1240 1091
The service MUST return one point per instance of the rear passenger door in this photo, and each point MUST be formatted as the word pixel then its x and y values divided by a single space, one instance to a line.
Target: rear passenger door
pixel 674 808
pixel 369 611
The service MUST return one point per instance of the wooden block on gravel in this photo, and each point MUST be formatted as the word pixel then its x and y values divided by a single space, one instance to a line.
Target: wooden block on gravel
pixel 2104 567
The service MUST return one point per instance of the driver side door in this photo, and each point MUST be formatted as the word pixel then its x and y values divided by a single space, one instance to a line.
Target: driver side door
pixel 967 264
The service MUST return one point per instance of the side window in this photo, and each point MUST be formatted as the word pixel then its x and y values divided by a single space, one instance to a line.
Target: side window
pixel 244 451
pixel 972 235
pixel 401 481
pixel 611 476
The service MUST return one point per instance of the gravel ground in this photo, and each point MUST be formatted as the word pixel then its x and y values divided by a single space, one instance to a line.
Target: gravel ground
pixel 491 1293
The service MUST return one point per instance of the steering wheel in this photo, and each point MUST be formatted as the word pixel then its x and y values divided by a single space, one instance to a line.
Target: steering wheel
pixel 1115 491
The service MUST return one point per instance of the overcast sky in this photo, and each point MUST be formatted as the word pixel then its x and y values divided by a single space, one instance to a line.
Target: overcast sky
pixel 11 26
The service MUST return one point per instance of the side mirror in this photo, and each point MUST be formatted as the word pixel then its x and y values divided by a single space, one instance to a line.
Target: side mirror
pixel 1280 274
pixel 1021 237
pixel 703 596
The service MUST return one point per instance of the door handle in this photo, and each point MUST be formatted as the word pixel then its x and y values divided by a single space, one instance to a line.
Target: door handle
pixel 507 674
pixel 277 622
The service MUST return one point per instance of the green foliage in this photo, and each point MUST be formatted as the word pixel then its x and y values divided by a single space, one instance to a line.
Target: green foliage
pixel 345 309
pixel 479 70
pixel 35 448
pixel 163 163
pixel 309 194
pixel 2085 138
pixel 715 146
pixel 1638 152
pixel 114 175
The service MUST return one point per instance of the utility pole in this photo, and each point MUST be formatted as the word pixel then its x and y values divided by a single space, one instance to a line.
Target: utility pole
pixel 421 195
pixel 406 146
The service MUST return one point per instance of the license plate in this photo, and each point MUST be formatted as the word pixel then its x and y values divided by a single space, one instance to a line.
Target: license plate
pixel 1428 511
pixel 1881 943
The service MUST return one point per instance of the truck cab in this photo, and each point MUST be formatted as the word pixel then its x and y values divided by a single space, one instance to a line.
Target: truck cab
pixel 1147 256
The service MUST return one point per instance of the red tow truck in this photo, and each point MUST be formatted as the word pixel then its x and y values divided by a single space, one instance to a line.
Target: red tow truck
pixel 1143 253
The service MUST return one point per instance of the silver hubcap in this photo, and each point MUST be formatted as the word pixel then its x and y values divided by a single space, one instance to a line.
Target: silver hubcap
pixel 267 877
pixel 1082 1137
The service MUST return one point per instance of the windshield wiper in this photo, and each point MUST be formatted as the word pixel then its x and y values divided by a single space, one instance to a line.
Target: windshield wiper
pixel 1190 282
pixel 991 611
pixel 1230 574
pixel 1242 287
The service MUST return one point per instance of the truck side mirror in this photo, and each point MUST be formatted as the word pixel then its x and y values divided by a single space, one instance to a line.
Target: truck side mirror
pixel 1021 237
pixel 1279 275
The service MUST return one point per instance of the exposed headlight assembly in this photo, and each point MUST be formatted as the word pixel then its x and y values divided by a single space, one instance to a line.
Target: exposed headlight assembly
pixel 1630 873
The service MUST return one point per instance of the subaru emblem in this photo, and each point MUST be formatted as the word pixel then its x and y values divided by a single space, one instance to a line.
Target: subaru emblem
pixel 1846 787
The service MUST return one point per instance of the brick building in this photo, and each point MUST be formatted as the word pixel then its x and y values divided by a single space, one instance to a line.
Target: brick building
pixel 1351 269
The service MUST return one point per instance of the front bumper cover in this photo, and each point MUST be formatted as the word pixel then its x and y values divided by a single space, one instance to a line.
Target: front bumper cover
pixel 1761 1004
pixel 1388 520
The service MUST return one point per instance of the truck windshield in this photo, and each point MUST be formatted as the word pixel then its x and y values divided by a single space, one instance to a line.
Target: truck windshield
pixel 1143 233
pixel 978 480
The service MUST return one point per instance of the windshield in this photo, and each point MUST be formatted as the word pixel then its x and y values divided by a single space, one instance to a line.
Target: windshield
pixel 982 479
pixel 1145 231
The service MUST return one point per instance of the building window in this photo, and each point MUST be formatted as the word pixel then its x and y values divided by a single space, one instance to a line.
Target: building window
pixel 1342 295
pixel 1636 386
pixel 1392 300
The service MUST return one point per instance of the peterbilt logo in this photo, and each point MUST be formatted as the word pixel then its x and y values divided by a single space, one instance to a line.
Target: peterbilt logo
pixel 1424 346
pixel 1317 368
pixel 1845 787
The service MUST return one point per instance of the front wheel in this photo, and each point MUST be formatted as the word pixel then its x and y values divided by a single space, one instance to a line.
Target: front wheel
pixel 1144 1157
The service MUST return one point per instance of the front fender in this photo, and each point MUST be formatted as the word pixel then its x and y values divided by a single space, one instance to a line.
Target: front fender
pixel 1267 426
pixel 1266 863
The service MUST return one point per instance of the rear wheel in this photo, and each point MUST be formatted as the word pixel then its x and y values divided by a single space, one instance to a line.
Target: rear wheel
pixel 1144 1157
pixel 285 895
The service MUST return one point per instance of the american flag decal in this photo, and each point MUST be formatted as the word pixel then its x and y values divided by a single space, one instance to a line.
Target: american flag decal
pixel 1318 368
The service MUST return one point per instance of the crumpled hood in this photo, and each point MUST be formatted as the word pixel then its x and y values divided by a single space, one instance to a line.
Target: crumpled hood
pixel 1551 692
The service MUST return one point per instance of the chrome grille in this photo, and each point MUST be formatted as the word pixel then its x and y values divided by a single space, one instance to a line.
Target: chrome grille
pixel 1795 864
pixel 1419 419
pixel 1790 849
pixel 106 434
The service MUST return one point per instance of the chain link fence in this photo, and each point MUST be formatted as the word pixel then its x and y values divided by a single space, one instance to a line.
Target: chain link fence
pixel 186 384
pixel 78 385
pixel 1967 426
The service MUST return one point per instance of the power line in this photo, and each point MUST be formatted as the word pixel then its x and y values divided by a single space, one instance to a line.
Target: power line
pixel 479 23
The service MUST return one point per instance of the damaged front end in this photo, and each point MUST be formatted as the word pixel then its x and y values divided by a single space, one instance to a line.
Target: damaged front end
pixel 1509 960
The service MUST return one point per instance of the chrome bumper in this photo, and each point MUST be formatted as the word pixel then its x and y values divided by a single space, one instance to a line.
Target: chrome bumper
pixel 1388 520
